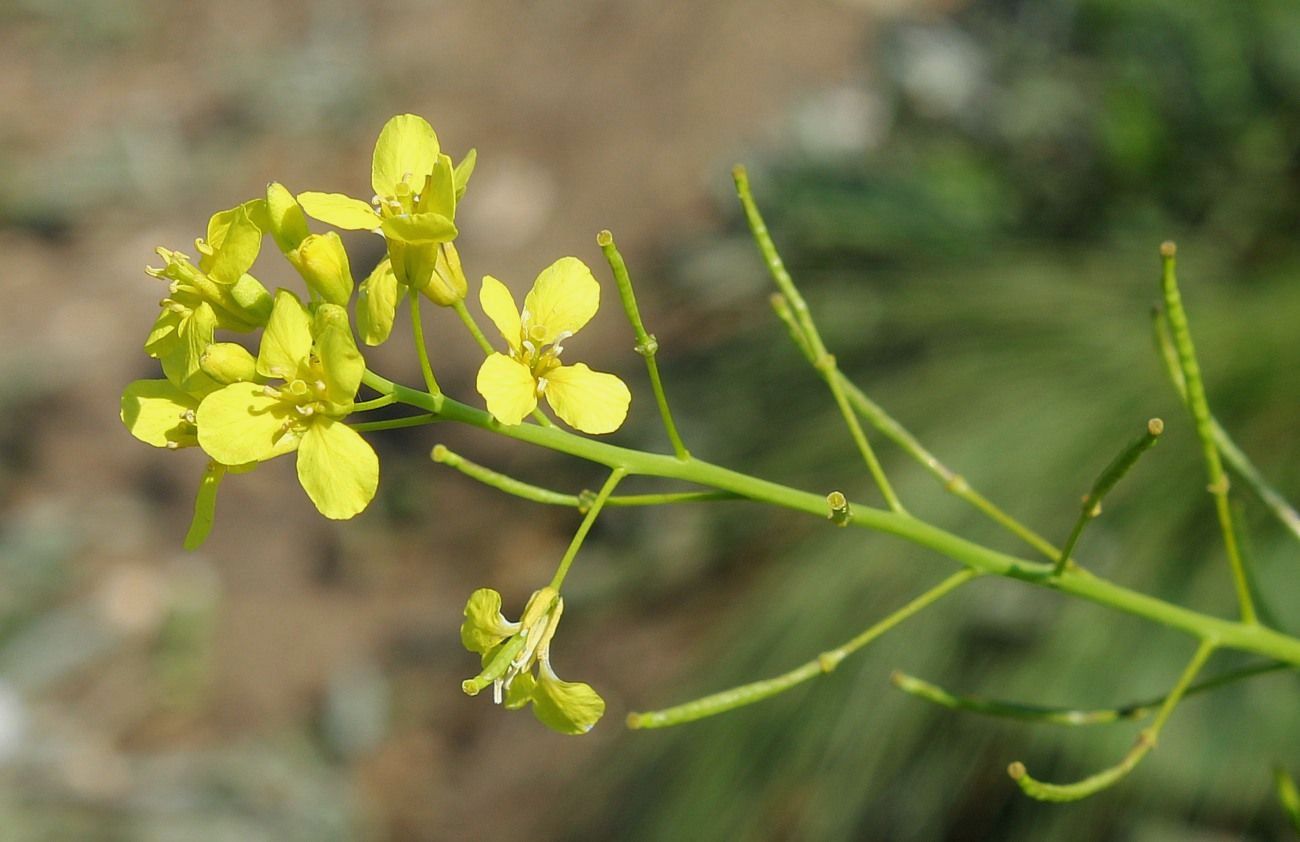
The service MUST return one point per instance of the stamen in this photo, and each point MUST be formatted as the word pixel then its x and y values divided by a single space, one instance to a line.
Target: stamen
pixel 496 691
pixel 188 415
pixel 320 387
pixel 271 391
pixel 171 445
pixel 541 385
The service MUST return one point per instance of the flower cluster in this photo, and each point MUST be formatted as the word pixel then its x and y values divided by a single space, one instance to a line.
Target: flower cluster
pixel 299 391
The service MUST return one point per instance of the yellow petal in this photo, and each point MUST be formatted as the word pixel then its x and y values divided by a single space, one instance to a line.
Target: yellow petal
pixel 240 423
pixel 499 305
pixel 508 387
pixel 337 468
pixel 418 228
pixel 407 146
pixel 340 211
pixel 377 304
pixel 153 411
pixel 286 343
pixel 590 401
pixel 563 299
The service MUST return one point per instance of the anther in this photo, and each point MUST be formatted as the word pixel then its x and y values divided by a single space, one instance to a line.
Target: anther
pixel 270 391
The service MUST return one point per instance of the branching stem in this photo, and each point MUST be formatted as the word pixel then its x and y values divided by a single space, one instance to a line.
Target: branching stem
pixel 1146 741
pixel 748 694
pixel 1112 474
pixel 1232 454
pixel 821 359
pixel 607 489
pixel 1245 637
pixel 582 502
pixel 1066 716
pixel 646 345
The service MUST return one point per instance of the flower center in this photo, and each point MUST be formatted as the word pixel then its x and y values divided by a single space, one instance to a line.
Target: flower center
pixel 303 395
pixel 403 201
pixel 539 357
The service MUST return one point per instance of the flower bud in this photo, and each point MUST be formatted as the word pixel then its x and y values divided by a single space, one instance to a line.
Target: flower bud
pixel 228 362
pixel 323 264
pixel 413 263
pixel 447 285
pixel 286 220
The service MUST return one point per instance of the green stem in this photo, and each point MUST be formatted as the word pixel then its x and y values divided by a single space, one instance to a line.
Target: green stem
pixel 1065 716
pixel 395 423
pixel 1113 473
pixel 667 498
pixel 955 483
pixel 421 349
pixel 646 345
pixel 607 489
pixel 822 360
pixel 582 502
pixel 1232 454
pixel 748 694
pixel 1234 635
pixel 467 318
pixel 501 482
pixel 376 403
pixel 1146 741
pixel 1200 410
pixel 876 415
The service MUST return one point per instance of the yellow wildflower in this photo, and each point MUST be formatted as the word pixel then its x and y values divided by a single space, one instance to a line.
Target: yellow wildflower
pixel 564 298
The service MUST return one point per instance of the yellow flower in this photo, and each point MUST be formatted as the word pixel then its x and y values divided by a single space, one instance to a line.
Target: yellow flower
pixel 564 298
pixel 414 206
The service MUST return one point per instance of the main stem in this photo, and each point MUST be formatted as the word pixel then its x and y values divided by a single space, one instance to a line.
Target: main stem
pixel 1229 634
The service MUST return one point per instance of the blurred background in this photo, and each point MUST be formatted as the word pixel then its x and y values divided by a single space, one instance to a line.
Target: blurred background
pixel 971 195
